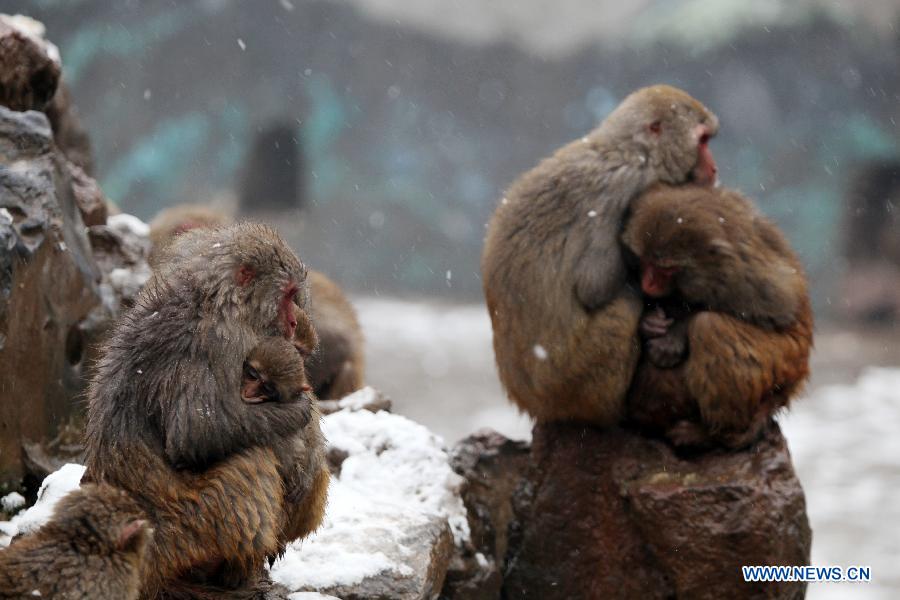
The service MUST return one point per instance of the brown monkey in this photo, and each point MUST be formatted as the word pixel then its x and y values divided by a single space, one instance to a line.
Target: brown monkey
pixel 171 222
pixel 273 374
pixel 92 548
pixel 338 366
pixel 728 342
pixel 554 280
pixel 165 403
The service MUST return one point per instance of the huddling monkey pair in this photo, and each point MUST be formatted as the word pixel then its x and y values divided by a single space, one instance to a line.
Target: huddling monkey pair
pixel 726 337
pixel 200 410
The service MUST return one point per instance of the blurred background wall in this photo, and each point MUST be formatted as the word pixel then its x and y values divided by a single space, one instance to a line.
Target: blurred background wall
pixel 391 127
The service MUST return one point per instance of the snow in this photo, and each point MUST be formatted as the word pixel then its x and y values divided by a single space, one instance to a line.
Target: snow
pixel 359 399
pixel 35 31
pixel 55 486
pixel 12 501
pixel 128 224
pixel 846 451
pixel 310 596
pixel 397 476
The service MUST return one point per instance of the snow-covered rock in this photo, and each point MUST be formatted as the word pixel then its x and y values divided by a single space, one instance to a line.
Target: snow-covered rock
pixel 54 487
pixel 394 514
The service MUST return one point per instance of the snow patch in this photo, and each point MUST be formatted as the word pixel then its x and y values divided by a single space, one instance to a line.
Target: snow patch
pixel 397 477
pixel 128 224
pixel 12 501
pixel 55 486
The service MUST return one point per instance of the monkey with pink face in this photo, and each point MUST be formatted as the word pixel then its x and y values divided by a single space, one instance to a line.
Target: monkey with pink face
pixel 564 320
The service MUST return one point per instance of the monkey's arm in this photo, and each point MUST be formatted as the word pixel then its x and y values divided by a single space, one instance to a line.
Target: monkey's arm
pixel 736 368
pixel 227 518
pixel 599 271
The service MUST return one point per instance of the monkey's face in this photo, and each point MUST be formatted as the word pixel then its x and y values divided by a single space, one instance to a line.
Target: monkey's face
pixel 672 131
pixel 274 373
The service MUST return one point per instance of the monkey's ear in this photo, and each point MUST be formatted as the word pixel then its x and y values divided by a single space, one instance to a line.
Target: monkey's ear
pixel 131 534
pixel 655 127
pixel 245 274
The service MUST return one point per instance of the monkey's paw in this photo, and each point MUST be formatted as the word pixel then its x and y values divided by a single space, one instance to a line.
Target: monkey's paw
pixel 667 351
pixel 655 324
pixel 687 434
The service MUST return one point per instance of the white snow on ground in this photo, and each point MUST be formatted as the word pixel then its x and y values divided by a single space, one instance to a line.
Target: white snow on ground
pixel 55 486
pixel 12 501
pixel 846 448
pixel 397 473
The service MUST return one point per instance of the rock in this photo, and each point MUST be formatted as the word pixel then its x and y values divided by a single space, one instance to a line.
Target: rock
pixel 30 79
pixel 121 248
pixel 88 196
pixel 367 398
pixel 29 70
pixel 615 514
pixel 68 132
pixel 50 306
pixel 393 519
pixel 493 467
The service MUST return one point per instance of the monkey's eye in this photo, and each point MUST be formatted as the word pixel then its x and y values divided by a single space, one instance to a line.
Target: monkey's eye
pixel 704 139
pixel 251 373
pixel 655 127
pixel 270 392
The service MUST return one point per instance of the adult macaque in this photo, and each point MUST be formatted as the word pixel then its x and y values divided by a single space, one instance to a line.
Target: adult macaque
pixel 729 330
pixel 554 278
pixel 166 420
pixel 337 368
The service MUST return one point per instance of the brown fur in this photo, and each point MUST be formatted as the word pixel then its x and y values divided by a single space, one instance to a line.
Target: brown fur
pixel 554 277
pixel 175 220
pixel 338 367
pixel 93 548
pixel 301 459
pixel 750 334
pixel 166 420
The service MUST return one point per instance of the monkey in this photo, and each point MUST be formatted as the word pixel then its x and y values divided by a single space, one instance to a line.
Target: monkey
pixel 92 548
pixel 171 222
pixel 166 421
pixel 338 366
pixel 564 318
pixel 272 374
pixel 729 331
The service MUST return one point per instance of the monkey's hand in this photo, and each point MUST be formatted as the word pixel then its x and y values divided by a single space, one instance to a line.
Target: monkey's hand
pixel 688 434
pixel 667 351
pixel 655 324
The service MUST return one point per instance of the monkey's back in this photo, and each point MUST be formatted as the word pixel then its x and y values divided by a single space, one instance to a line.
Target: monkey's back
pixel 557 359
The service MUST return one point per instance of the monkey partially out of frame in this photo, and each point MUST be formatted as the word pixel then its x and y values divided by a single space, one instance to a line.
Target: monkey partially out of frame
pixel 92 548
pixel 728 331
pixel 563 318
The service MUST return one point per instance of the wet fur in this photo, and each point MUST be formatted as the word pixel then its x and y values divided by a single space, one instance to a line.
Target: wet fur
pixel 554 277
pixel 750 335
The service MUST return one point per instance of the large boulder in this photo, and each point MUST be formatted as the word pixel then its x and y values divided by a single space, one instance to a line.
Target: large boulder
pixel 493 467
pixel 615 514
pixel 50 305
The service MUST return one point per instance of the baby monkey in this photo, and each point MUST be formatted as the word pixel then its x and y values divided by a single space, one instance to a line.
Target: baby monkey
pixel 92 548
pixel 728 329
pixel 274 372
